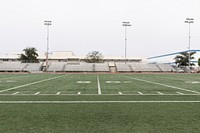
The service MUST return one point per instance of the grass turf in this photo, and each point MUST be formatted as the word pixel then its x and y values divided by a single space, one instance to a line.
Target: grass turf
pixel 122 118
pixel 101 117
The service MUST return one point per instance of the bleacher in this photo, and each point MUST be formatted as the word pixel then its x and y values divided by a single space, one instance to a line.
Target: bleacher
pixel 81 67
pixel 122 67
pixel 166 67
pixel 17 66
pixel 101 67
pixel 56 66
pixel 33 67
pixel 140 67
pixel 85 67
pixel 78 67
pixel 12 66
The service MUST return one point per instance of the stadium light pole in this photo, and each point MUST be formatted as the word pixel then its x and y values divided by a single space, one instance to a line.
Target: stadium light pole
pixel 189 21
pixel 47 23
pixel 125 24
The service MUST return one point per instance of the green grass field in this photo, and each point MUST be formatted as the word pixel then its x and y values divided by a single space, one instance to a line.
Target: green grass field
pixel 105 103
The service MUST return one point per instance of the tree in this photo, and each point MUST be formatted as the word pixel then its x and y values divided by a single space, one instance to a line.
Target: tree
pixel 199 61
pixel 183 59
pixel 94 57
pixel 30 55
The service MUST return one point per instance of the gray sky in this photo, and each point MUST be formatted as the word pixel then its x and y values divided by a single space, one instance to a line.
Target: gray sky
pixel 84 25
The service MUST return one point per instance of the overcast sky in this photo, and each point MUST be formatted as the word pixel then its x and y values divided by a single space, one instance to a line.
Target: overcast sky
pixel 85 25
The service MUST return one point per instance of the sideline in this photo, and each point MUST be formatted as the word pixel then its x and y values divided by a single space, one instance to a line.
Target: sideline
pixel 88 102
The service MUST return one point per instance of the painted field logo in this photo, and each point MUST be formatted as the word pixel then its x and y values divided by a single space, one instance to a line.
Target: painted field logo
pixel 83 82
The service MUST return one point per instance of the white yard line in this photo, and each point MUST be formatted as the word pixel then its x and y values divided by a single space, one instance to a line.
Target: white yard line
pixel 101 94
pixel 79 93
pixel 13 77
pixel 88 102
pixel 120 93
pixel 140 93
pixel 180 93
pixel 58 93
pixel 160 93
pixel 170 86
pixel 13 88
pixel 37 93
pixel 98 85
pixel 15 93
pixel 156 76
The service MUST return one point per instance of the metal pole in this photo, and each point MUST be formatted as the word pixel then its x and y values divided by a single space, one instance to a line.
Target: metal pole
pixel 189 49
pixel 125 44
pixel 47 54
pixel 189 20
pixel 126 24
pixel 48 23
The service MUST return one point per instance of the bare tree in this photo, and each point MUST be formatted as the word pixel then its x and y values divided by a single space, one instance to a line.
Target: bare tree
pixel 94 57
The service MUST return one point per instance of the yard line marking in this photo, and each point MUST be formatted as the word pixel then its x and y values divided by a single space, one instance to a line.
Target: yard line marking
pixel 13 77
pixel 58 93
pixel 88 102
pixel 99 87
pixel 140 93
pixel 180 93
pixel 37 93
pixel 160 93
pixel 156 76
pixel 120 93
pixel 101 94
pixel 170 86
pixel 79 93
pixel 15 93
pixel 16 87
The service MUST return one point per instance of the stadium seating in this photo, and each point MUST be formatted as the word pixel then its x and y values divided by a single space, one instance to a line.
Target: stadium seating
pixel 101 67
pixel 12 66
pixel 122 67
pixel 56 66
pixel 87 67
pixel 82 67
pixel 78 67
pixel 140 67
pixel 166 67
pixel 20 67
pixel 33 67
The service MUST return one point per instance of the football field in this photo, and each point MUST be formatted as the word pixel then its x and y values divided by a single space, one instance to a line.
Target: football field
pixel 139 103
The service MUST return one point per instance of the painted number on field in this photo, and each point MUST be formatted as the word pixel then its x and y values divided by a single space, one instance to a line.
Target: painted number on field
pixel 127 82
pixel 111 82
pixel 83 82
pixel 192 82
pixel 11 81
pixel 118 82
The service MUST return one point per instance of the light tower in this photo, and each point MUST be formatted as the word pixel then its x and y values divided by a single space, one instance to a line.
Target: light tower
pixel 47 23
pixel 125 24
pixel 189 21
